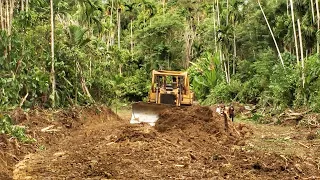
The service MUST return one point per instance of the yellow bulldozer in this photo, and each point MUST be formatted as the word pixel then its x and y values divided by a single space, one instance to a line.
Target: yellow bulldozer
pixel 168 89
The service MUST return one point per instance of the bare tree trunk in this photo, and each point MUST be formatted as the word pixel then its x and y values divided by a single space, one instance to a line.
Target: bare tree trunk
pixel 144 17
pixel 218 11
pixel 228 65
pixel 119 28
pixel 53 79
pixel 11 17
pixel 1 16
pixel 288 7
pixel 119 45
pixel 225 69
pixel 187 46
pixel 234 53
pixel 218 22
pixel 21 5
pixel 294 32
pixel 301 50
pixel 275 42
pixel 131 38
pixel 7 16
pixel 10 7
pixel 189 38
pixel 163 6
pixel 111 12
pixel 312 11
pixel 214 28
pixel 227 19
pixel 27 5
pixel 111 19
pixel 318 23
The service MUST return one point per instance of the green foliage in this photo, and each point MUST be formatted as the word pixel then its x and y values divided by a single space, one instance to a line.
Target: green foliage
pixel 160 44
pixel 7 127
pixel 204 75
pixel 114 61
pixel 312 84
pixel 251 90
pixel 257 117
pixel 223 93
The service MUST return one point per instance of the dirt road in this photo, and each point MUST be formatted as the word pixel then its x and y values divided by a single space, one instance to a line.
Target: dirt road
pixel 188 143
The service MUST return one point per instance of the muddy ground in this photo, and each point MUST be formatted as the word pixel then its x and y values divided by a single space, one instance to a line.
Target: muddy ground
pixel 186 143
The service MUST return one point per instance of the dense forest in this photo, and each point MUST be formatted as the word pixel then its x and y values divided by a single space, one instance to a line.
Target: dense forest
pixel 59 53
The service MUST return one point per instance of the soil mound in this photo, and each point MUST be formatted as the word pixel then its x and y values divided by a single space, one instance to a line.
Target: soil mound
pixel 48 128
pixel 200 122
pixel 186 143
pixel 181 117
pixel 133 133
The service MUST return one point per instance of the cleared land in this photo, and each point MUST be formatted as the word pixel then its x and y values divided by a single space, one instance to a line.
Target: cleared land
pixel 186 143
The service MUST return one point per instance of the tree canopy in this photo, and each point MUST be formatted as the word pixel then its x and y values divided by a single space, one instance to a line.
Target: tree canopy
pixel 104 50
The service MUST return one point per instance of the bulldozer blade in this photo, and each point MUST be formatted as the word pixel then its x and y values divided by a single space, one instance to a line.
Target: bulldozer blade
pixel 146 112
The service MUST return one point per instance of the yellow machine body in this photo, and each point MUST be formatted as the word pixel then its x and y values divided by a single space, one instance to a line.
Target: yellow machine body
pixel 168 89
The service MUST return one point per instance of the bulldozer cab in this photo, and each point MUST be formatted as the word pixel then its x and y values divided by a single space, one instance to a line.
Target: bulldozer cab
pixel 168 82
pixel 168 89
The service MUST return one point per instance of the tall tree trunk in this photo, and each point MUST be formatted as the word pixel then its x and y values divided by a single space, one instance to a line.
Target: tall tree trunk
pixel 1 16
pixel 275 42
pixel 53 79
pixel 111 19
pixel 214 27
pixel 318 23
pixel 27 5
pixel 218 22
pixel 131 38
pixel 228 65
pixel 288 7
pixel 234 52
pixel 189 38
pixel 21 5
pixel 187 45
pixel 163 6
pixel 294 32
pixel 225 68
pixel 301 50
pixel 11 15
pixel 312 11
pixel 7 16
pixel 119 45
pixel 227 19
pixel 218 11
pixel 119 28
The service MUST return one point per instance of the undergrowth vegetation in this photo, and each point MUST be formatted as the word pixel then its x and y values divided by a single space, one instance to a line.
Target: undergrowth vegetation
pixel 7 127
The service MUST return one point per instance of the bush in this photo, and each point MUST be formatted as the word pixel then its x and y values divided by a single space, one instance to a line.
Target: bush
pixel 251 90
pixel 204 75
pixel 223 92
pixel 7 127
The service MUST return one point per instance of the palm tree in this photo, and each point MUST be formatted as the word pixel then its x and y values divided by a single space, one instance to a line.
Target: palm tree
pixel 52 75
pixel 236 16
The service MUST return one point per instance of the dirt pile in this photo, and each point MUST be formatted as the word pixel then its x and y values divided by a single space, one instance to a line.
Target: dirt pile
pixel 202 122
pixel 186 143
pixel 47 128
pixel 135 133
pixel 181 117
